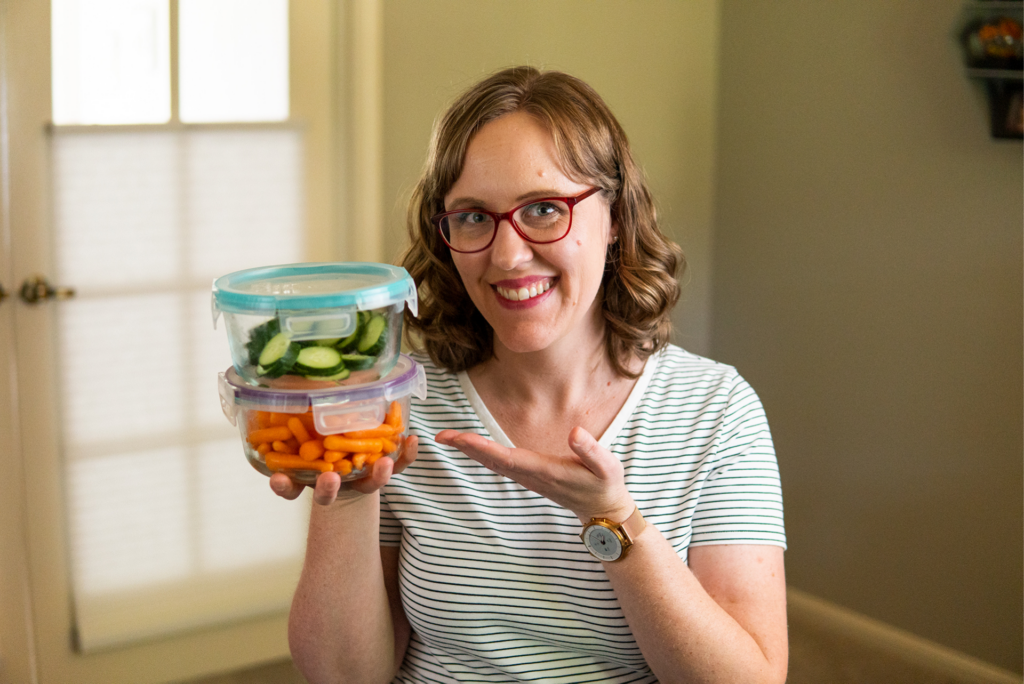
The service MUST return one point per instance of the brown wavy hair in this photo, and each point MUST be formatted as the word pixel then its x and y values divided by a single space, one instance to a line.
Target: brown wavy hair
pixel 639 287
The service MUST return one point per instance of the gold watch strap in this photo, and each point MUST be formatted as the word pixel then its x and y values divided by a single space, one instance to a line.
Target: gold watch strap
pixel 634 524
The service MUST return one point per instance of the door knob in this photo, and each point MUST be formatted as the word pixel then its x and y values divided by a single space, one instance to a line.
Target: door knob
pixel 37 288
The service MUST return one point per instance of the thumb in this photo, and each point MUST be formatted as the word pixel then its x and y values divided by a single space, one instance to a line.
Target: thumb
pixel 595 457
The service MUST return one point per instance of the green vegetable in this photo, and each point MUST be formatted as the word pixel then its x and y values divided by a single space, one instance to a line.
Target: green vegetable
pixel 373 337
pixel 258 338
pixel 358 361
pixel 319 361
pixel 278 356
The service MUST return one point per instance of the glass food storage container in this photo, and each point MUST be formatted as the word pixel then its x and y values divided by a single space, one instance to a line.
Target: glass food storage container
pixel 314 326
pixel 306 432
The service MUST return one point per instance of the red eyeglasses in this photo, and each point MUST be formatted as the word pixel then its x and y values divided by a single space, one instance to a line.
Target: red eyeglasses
pixel 540 221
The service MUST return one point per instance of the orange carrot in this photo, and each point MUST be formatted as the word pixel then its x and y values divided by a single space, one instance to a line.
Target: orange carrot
pixel 343 467
pixel 263 449
pixel 284 448
pixel 298 430
pixel 334 456
pixel 394 416
pixel 271 434
pixel 307 421
pixel 279 418
pixel 359 460
pixel 389 446
pixel 373 458
pixel 382 430
pixel 260 420
pixel 276 461
pixel 336 443
pixel 312 450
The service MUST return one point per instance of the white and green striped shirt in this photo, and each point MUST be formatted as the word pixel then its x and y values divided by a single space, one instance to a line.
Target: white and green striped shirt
pixel 495 581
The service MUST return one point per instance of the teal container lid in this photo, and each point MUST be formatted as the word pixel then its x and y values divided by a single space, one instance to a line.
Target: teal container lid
pixel 357 286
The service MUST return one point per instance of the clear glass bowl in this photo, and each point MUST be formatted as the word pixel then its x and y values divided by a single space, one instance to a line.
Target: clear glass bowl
pixel 314 326
pixel 305 432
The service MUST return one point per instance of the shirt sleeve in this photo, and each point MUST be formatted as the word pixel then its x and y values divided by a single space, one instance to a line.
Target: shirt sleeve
pixel 741 498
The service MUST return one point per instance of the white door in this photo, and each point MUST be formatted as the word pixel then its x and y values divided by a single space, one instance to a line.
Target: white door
pixel 66 457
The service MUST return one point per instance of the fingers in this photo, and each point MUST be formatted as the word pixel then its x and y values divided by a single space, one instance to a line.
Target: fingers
pixel 327 487
pixel 410 450
pixel 283 486
pixel 380 473
pixel 593 456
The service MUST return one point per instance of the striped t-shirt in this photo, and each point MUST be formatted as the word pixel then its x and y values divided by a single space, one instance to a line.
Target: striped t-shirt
pixel 495 581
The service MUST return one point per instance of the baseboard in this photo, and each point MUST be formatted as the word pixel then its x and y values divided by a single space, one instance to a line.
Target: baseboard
pixel 813 612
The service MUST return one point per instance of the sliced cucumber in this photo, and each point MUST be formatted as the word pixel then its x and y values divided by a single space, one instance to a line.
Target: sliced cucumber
pixel 350 341
pixel 318 360
pixel 327 342
pixel 373 337
pixel 278 356
pixel 337 376
pixel 258 338
pixel 358 361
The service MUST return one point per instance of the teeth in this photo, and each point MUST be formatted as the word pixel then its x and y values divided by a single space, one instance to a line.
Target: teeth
pixel 523 293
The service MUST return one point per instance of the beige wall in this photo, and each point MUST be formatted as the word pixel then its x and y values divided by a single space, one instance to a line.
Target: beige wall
pixel 868 282
pixel 653 61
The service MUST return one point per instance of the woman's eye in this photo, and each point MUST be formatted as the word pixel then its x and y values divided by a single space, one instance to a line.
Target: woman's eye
pixel 541 209
pixel 471 218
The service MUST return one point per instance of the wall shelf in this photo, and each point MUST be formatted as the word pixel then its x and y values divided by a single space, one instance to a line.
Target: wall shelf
pixel 992 43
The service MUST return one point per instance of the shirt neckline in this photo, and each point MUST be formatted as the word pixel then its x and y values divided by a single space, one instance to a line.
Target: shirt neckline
pixel 606 440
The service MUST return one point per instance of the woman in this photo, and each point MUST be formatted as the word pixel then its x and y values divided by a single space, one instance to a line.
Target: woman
pixel 555 405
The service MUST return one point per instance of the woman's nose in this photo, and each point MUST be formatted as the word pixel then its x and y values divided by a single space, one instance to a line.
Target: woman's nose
pixel 509 249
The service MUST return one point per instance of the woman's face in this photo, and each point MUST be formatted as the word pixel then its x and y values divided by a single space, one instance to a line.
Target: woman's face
pixel 533 295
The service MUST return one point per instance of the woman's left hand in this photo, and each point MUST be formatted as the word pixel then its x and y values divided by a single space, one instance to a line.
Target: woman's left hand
pixel 589 482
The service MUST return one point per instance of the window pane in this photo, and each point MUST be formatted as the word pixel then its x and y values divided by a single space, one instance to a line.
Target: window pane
pixel 123 361
pixel 245 200
pixel 233 60
pixel 130 519
pixel 117 208
pixel 111 61
pixel 242 523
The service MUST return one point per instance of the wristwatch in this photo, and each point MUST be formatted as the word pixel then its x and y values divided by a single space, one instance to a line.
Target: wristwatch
pixel 610 541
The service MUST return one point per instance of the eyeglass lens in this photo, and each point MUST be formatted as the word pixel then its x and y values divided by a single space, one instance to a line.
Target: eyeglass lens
pixel 544 221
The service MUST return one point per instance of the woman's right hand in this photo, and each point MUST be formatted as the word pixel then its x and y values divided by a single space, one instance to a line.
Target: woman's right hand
pixel 329 487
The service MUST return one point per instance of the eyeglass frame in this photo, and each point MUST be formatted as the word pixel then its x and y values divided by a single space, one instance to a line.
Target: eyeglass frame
pixel 499 217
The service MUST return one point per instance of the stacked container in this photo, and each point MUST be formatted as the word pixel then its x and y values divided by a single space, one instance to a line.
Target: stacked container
pixel 317 382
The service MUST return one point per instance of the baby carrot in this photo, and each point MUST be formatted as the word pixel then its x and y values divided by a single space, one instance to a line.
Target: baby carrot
pixel 270 434
pixel 343 467
pixel 336 443
pixel 284 448
pixel 382 430
pixel 394 416
pixel 298 430
pixel 389 446
pixel 359 460
pixel 373 458
pixel 334 456
pixel 276 461
pixel 263 448
pixel 279 418
pixel 311 450
pixel 307 420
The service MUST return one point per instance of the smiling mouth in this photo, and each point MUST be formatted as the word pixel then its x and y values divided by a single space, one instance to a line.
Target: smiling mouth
pixel 523 293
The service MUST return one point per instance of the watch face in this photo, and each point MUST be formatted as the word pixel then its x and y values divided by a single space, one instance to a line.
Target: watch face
pixel 602 543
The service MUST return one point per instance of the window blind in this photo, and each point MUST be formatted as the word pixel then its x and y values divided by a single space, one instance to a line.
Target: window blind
pixel 169 527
